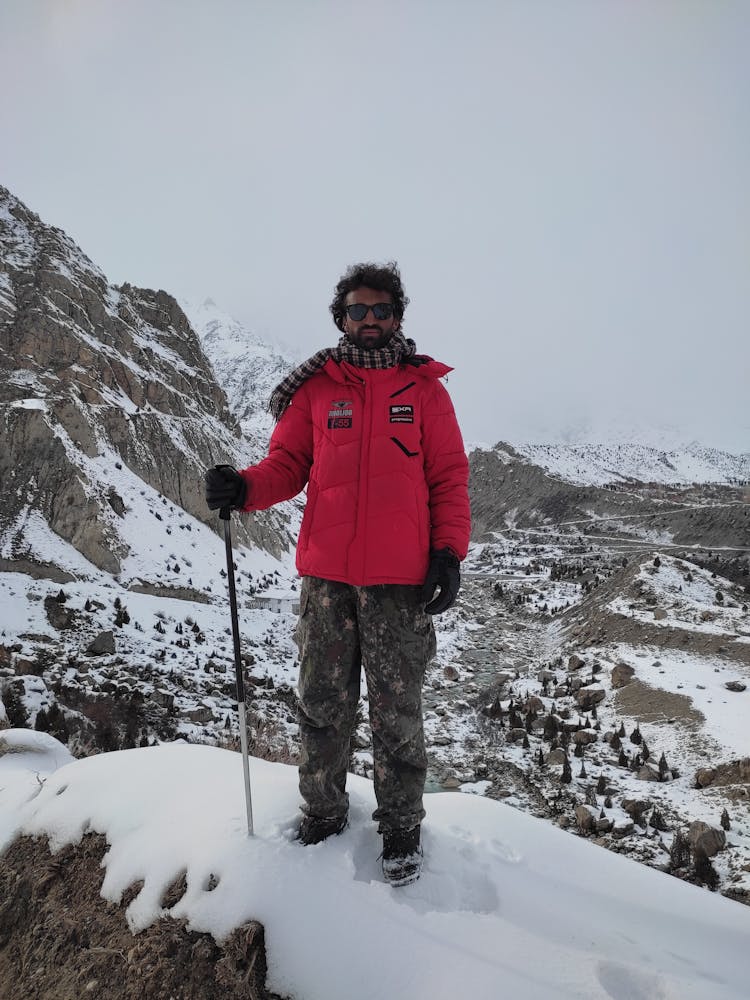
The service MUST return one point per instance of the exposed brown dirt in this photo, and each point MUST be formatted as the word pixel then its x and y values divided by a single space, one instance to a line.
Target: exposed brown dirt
pixel 649 704
pixel 59 940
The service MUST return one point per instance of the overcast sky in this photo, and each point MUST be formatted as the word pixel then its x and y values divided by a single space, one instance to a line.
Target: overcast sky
pixel 564 183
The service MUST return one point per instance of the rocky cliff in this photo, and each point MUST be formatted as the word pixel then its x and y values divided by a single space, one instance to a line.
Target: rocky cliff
pixel 104 390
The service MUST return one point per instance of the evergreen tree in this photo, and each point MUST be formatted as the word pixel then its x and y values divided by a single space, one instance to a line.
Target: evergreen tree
pixel 551 728
pixel 15 709
pixel 567 775
pixel 106 737
pixel 657 821
pixel 58 725
pixel 679 853
pixel 704 872
pixel 41 723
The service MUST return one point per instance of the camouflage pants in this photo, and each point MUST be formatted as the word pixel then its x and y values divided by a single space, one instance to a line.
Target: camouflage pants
pixel 385 630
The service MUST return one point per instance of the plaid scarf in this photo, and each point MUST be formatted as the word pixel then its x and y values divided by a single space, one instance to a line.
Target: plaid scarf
pixel 397 350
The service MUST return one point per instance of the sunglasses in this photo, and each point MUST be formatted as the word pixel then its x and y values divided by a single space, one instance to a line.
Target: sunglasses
pixel 358 311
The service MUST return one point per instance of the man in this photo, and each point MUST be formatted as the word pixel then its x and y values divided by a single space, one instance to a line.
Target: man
pixel 369 428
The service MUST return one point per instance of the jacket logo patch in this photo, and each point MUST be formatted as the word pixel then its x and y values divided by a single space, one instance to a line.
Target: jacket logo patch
pixel 401 413
pixel 340 414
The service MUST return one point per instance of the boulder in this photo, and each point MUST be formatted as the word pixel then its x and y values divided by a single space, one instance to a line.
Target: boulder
pixel 163 698
pixel 623 829
pixel 736 772
pixel 533 704
pixel 647 773
pixel 450 673
pixel 576 662
pixel 102 645
pixel 706 840
pixel 585 820
pixel 451 780
pixel 659 614
pixel 704 776
pixel 201 715
pixel 622 674
pixel 635 808
pixel 59 616
pixel 584 737
pixel 556 756
pixel 587 698
pixel 517 735
pixel 735 686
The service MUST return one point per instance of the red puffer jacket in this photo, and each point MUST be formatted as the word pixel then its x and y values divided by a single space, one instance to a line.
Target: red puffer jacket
pixel 386 470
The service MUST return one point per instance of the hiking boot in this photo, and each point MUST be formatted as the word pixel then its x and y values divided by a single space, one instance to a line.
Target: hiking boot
pixel 313 829
pixel 402 856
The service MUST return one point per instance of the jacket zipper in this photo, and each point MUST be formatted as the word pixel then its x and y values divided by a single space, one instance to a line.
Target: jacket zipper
pixel 364 478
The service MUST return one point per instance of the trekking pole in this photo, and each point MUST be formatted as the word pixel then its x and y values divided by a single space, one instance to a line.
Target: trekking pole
pixel 225 514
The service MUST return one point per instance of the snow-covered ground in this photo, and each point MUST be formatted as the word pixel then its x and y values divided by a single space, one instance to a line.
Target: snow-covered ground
pixel 506 906
pixel 685 596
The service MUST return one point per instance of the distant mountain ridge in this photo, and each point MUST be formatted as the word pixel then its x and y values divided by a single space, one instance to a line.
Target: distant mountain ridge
pixel 247 367
pixel 600 464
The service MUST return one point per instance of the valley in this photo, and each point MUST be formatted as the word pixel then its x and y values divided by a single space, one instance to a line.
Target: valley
pixel 593 672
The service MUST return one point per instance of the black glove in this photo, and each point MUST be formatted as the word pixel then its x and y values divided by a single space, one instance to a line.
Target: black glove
pixel 225 487
pixel 445 574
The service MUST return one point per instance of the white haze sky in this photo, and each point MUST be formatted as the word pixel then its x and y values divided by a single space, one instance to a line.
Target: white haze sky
pixel 564 183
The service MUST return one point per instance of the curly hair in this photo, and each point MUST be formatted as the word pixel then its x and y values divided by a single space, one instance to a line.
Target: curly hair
pixel 381 277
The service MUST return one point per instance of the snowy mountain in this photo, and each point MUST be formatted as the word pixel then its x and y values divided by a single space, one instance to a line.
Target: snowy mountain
pixel 110 412
pixel 606 591
pixel 247 368
pixel 626 493
pixel 598 464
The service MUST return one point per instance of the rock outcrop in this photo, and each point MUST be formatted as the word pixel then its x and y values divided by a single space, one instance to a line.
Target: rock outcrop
pixel 98 384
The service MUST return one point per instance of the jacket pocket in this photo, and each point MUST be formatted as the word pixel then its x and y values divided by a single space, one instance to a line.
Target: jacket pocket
pixel 404 449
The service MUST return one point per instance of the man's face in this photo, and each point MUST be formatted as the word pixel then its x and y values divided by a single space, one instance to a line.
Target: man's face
pixel 370 332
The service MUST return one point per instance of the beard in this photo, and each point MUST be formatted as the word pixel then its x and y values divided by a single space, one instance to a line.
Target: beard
pixel 371 338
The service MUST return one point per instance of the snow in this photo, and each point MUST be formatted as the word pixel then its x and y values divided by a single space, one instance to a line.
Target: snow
pixel 596 464
pixel 505 903
pixel 701 678
pixel 41 543
pixel 687 597
pixel 247 367
pixel 28 404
